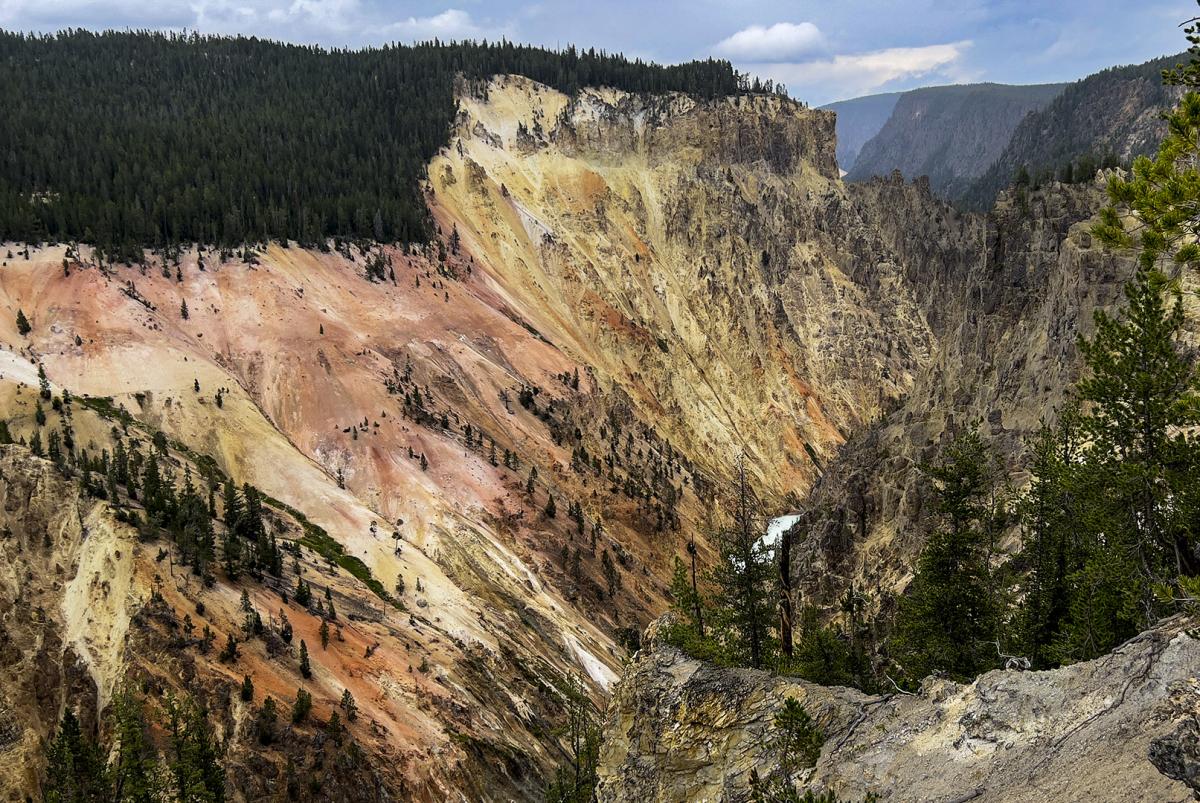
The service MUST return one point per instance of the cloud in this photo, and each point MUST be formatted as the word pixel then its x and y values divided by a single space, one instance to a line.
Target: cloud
pixel 783 41
pixel 847 75
pixel 335 22
pixel 450 24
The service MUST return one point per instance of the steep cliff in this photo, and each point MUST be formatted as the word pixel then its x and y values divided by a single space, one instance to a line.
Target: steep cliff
pixel 1007 296
pixel 681 730
pixel 949 133
pixel 858 120
pixel 688 255
pixel 1116 113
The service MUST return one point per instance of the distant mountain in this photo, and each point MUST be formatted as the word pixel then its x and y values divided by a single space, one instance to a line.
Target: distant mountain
pixel 950 133
pixel 1115 114
pixel 858 120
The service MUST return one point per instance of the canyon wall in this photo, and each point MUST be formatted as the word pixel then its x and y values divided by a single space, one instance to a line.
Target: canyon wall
pixel 490 449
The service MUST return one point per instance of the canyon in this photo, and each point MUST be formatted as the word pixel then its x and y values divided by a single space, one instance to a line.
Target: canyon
pixel 627 292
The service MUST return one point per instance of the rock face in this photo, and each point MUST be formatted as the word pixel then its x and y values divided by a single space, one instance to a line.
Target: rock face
pixel 681 730
pixel 949 133
pixel 65 601
pixel 1115 112
pixel 859 119
pixel 698 257
pixel 1005 297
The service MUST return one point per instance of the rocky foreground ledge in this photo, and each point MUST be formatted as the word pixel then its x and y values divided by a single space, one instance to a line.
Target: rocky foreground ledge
pixel 1125 727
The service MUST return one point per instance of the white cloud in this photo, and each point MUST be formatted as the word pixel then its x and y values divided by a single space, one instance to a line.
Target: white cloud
pixel 783 41
pixel 334 22
pixel 847 75
pixel 450 24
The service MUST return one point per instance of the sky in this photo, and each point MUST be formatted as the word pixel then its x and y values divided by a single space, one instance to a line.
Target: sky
pixel 822 50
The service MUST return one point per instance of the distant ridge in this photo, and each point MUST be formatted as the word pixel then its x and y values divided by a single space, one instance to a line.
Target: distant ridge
pixel 951 134
pixel 858 120
pixel 1110 116
pixel 973 140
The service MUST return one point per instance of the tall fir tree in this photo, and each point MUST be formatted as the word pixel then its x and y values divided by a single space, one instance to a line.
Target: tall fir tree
pixel 947 619
pixel 745 579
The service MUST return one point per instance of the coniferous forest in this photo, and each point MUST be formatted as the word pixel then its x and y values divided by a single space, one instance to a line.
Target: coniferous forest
pixel 126 140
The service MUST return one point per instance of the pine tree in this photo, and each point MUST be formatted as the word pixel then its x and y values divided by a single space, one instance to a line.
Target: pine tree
pixel 23 326
pixel 1133 496
pixel 135 768
pixel 301 707
pixel 798 739
pixel 76 771
pixel 575 780
pixel 232 506
pixel 948 617
pixel 612 577
pixel 823 656
pixel 195 769
pixel 230 653
pixel 183 310
pixel 305 666
pixel 349 706
pixel 685 599
pixel 1142 404
pixel 1050 513
pixel 247 690
pixel 324 634
pixel 744 580
pixel 303 592
pixel 264 723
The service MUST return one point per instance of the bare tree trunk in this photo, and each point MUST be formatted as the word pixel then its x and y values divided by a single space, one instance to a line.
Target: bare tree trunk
pixel 691 548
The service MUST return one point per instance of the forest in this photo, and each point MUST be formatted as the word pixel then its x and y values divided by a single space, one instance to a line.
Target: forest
pixel 127 140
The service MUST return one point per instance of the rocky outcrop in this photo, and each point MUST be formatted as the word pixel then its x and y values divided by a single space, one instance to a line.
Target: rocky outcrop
pixel 681 730
pixel 65 603
pixel 701 257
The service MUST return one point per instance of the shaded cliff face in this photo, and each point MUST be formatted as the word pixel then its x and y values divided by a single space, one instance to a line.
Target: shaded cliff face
pixel 858 120
pixel 681 730
pixel 1007 296
pixel 949 133
pixel 1116 112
